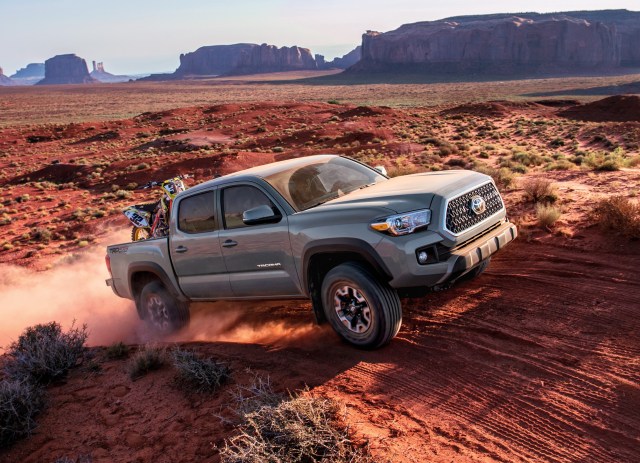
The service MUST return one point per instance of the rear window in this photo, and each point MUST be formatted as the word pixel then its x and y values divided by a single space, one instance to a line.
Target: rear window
pixel 197 213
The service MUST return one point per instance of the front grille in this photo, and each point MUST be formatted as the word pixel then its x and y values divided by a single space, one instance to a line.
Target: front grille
pixel 460 216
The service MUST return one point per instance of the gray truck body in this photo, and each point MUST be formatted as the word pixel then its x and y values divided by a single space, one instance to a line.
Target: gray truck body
pixel 288 258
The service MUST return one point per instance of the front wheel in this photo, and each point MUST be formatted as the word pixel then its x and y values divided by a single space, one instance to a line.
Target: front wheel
pixel 362 309
pixel 161 310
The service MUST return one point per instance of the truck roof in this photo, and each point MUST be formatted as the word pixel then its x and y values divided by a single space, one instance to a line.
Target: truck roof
pixel 264 170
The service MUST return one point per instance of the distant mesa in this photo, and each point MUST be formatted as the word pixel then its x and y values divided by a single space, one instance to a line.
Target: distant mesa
pixel 344 62
pixel 66 69
pixel 4 80
pixel 29 75
pixel 101 75
pixel 515 45
pixel 239 59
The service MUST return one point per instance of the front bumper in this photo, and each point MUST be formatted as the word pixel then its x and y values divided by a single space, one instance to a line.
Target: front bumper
pixel 452 265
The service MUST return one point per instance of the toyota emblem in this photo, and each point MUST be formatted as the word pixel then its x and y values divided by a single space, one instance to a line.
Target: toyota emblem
pixel 478 206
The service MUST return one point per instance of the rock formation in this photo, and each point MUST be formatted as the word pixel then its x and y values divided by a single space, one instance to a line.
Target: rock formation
pixel 101 75
pixel 528 43
pixel 4 80
pixel 32 70
pixel 239 59
pixel 344 62
pixel 66 69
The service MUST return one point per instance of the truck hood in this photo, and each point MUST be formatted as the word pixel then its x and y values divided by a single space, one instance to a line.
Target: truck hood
pixel 409 192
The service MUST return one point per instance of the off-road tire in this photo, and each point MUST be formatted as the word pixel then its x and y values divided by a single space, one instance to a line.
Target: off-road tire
pixel 160 310
pixel 354 281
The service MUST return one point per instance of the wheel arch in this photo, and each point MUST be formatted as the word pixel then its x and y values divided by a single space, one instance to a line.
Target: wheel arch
pixel 142 273
pixel 319 258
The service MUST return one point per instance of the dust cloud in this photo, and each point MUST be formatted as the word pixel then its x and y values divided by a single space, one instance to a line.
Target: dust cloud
pixel 73 289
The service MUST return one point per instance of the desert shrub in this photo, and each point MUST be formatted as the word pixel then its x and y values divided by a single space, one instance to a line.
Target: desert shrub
pixel 145 360
pixel 41 234
pixel 547 214
pixel 502 176
pixel 295 429
pixel 199 374
pixel 527 159
pixel 539 190
pixel 407 169
pixel 620 214
pixel 604 161
pixel 560 164
pixel 43 353
pixel 20 402
pixel 123 194
pixel 118 350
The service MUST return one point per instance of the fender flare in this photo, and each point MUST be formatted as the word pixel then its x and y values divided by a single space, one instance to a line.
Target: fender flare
pixel 157 270
pixel 338 245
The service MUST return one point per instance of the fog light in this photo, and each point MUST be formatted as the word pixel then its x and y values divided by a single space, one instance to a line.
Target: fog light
pixel 423 257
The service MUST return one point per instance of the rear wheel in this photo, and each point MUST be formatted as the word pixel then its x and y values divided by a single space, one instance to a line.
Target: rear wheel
pixel 139 234
pixel 161 310
pixel 362 309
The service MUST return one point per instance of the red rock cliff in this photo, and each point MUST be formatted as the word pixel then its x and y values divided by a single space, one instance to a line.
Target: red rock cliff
pixel 244 58
pixel 525 43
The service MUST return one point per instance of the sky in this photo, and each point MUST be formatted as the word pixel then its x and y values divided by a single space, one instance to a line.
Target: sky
pixel 144 36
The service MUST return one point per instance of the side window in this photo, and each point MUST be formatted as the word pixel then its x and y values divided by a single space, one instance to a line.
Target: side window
pixel 197 214
pixel 237 199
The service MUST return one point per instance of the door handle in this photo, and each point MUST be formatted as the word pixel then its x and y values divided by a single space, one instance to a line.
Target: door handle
pixel 229 244
pixel 182 249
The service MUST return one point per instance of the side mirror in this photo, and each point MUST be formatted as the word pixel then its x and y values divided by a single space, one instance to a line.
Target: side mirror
pixel 382 170
pixel 260 214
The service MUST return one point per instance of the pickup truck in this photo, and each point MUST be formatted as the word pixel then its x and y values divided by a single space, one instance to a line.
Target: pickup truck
pixel 325 228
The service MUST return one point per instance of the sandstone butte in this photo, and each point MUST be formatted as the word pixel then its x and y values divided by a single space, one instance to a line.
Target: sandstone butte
pixel 507 44
pixel 66 69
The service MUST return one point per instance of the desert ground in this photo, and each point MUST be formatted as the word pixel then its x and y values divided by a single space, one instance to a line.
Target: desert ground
pixel 537 360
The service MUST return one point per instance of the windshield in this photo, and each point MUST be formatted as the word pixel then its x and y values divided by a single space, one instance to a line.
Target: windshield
pixel 320 181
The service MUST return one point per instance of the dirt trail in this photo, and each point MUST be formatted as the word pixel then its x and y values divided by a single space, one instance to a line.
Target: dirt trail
pixel 535 361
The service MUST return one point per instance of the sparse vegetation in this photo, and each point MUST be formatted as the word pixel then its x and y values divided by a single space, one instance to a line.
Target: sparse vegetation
pixel 299 428
pixel 539 190
pixel 199 374
pixel 20 402
pixel 147 359
pixel 620 214
pixel 547 214
pixel 44 353
pixel 116 351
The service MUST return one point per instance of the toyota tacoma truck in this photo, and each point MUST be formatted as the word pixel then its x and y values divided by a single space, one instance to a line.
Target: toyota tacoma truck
pixel 325 228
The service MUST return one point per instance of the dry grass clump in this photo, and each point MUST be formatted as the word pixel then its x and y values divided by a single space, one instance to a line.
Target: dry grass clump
pixel 44 353
pixel 198 374
pixel 503 177
pixel 147 359
pixel 20 402
pixel 547 215
pixel 539 190
pixel 296 429
pixel 116 351
pixel 620 214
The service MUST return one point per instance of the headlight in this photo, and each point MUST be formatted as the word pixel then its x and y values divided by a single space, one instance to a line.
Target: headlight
pixel 403 224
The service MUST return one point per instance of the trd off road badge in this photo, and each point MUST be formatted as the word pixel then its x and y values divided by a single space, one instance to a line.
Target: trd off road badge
pixel 477 204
